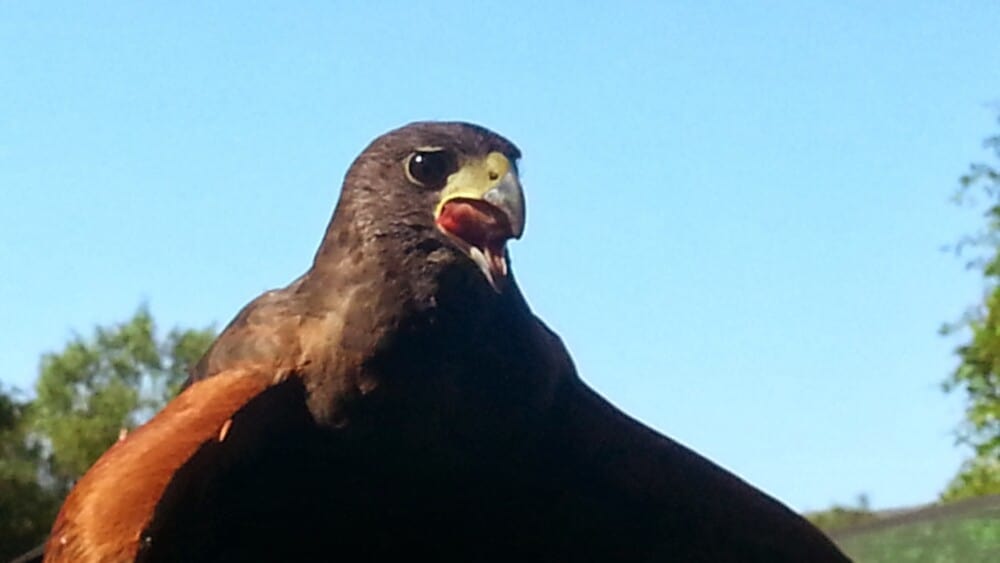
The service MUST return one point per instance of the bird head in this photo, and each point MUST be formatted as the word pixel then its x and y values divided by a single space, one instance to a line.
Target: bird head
pixel 454 183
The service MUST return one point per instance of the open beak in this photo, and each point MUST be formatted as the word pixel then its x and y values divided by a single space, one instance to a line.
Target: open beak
pixel 481 207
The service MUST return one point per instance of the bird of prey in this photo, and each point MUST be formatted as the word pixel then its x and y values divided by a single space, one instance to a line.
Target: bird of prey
pixel 400 401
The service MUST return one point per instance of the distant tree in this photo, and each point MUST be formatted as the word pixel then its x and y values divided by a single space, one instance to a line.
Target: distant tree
pixel 978 373
pixel 26 505
pixel 840 516
pixel 98 387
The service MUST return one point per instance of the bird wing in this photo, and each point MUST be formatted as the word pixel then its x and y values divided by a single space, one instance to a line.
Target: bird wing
pixel 105 515
pixel 695 510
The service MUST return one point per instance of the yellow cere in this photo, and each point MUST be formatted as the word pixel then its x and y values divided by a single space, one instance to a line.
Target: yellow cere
pixel 474 179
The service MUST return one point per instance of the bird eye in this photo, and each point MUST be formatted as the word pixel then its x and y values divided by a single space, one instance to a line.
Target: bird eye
pixel 430 168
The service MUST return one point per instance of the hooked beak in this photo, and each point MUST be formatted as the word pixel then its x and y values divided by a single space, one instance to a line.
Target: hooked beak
pixel 481 207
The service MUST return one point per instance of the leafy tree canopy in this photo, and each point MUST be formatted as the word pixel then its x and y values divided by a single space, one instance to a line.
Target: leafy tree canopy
pixel 86 394
pixel 978 373
pixel 110 382
pixel 26 506
pixel 839 516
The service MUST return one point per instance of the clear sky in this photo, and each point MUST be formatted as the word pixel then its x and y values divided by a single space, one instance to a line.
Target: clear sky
pixel 735 210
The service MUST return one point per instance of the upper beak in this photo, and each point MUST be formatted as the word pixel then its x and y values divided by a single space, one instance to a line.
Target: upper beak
pixel 507 196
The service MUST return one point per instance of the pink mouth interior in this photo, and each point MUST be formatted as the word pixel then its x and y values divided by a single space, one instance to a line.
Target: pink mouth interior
pixel 477 223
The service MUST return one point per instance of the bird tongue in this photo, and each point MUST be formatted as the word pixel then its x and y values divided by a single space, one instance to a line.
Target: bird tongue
pixel 483 227
pixel 477 223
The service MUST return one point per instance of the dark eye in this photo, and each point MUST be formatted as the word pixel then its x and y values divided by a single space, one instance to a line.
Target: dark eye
pixel 430 168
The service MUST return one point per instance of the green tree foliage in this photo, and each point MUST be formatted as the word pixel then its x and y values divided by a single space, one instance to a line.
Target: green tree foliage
pixel 26 506
pixel 100 386
pixel 86 394
pixel 839 517
pixel 957 532
pixel 978 373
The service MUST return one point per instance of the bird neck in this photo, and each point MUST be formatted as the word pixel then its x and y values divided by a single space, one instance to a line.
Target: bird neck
pixel 404 312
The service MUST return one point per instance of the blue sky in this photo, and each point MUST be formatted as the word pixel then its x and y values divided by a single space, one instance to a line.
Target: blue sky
pixel 735 210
